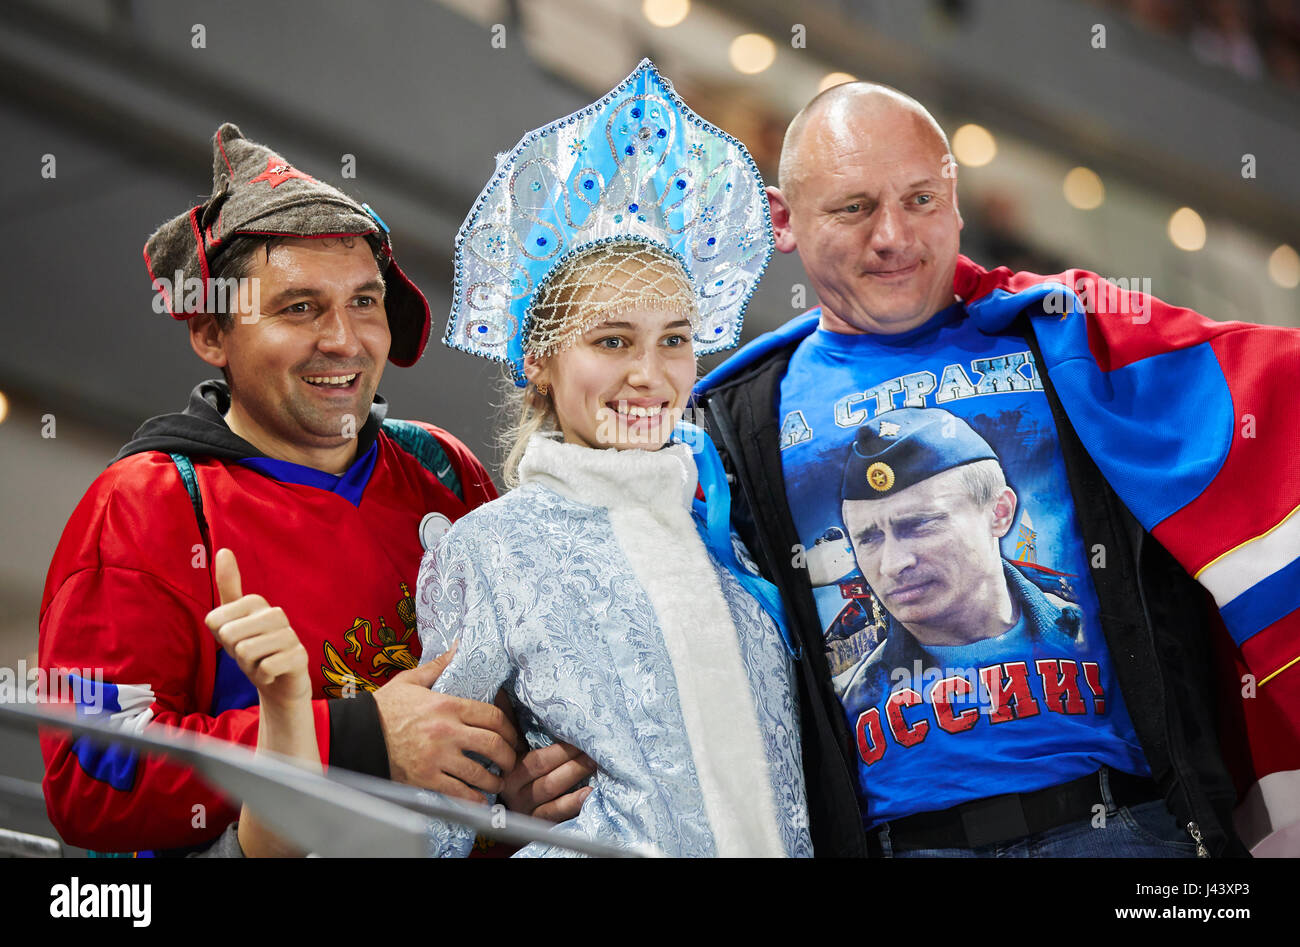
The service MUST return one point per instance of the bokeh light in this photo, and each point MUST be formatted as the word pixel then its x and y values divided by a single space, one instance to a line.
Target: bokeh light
pixel 1284 267
pixel 665 13
pixel 1186 229
pixel 974 146
pixel 832 79
pixel 752 53
pixel 1083 189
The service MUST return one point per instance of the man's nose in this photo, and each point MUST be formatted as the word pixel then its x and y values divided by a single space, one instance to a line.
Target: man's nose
pixel 896 556
pixel 337 334
pixel 892 231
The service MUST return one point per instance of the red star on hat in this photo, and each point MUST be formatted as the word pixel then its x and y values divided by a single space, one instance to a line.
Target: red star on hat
pixel 278 171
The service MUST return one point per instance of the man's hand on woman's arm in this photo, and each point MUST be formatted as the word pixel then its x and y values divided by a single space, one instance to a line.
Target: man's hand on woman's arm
pixel 428 734
pixel 540 785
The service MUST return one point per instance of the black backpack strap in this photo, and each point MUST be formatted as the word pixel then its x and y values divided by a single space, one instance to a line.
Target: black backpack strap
pixel 425 448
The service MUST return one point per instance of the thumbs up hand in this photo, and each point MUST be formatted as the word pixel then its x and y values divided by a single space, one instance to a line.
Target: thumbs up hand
pixel 258 637
pixel 268 651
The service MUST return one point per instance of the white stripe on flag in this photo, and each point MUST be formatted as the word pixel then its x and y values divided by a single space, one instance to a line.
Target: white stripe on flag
pixel 1253 561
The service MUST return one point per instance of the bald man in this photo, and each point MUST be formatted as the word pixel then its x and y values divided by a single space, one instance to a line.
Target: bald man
pixel 1012 742
pixel 868 197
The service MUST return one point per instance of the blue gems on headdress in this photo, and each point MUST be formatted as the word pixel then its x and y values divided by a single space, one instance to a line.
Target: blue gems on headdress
pixel 634 190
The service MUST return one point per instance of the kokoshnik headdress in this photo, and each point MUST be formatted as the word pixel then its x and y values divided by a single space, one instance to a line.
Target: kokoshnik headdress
pixel 637 168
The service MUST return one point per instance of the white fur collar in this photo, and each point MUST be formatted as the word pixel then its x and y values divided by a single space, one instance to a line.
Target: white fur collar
pixel 648 498
pixel 664 479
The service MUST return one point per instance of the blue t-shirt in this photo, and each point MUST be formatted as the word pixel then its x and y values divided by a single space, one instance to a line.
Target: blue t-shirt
pixel 1033 704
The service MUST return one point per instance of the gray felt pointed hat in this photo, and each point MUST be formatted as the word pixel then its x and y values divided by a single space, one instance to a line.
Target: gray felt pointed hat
pixel 256 192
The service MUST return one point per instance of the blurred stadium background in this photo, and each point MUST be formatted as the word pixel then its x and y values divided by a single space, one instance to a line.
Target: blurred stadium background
pixel 1144 139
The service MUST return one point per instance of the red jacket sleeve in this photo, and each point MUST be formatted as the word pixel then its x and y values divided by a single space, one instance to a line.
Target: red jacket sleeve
pixel 123 610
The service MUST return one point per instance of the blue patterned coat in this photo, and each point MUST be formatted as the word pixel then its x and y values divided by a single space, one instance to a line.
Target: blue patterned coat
pixel 588 595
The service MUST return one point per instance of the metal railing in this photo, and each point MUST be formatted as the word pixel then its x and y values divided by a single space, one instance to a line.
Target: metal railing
pixel 341 814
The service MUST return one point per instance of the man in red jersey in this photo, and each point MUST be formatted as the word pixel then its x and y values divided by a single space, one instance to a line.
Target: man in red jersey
pixel 290 288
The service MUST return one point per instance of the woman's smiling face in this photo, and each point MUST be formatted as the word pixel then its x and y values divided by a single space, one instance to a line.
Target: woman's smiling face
pixel 624 383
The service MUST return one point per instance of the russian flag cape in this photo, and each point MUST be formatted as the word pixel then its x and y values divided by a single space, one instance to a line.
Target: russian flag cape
pixel 1196 426
pixel 1194 423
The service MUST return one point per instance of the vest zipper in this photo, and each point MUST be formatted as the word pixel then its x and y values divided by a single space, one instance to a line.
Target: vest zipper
pixel 1175 755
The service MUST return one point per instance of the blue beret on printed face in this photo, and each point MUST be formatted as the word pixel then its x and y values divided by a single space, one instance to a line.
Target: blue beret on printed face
pixel 898 448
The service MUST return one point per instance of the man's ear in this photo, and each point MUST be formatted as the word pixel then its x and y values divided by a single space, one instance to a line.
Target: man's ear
pixel 1004 512
pixel 207 339
pixel 779 206
pixel 955 209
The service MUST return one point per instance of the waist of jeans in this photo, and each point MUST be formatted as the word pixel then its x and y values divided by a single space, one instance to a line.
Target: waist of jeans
pixel 1003 818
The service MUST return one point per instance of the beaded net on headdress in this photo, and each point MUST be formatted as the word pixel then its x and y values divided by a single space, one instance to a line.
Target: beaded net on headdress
pixel 601 283
pixel 637 165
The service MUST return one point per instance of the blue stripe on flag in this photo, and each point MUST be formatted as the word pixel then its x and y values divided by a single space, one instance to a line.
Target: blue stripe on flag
pixel 113 765
pixel 1263 603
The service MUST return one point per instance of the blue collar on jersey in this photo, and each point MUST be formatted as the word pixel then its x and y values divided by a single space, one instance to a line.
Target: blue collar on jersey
pixel 350 484
pixel 996 312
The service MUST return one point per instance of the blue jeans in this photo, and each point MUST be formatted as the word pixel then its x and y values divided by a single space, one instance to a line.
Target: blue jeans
pixel 1147 830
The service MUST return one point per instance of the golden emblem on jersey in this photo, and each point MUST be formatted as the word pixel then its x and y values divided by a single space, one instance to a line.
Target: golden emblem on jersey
pixel 393 651
pixel 880 476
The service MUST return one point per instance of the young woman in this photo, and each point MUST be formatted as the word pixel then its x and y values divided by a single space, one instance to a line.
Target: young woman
pixel 604 593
